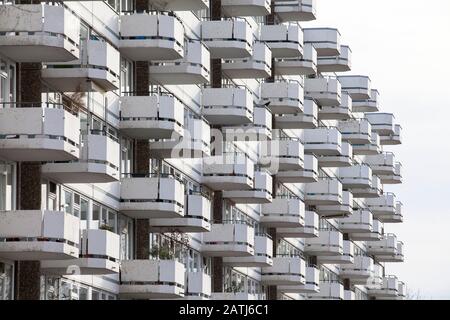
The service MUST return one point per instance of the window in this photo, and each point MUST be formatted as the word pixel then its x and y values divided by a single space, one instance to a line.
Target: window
pixel 126 76
pixel 7 82
pixel 7 187
pixel 51 196
pixel 84 210
pixel 6 281
pixel 126 156
pixel 126 237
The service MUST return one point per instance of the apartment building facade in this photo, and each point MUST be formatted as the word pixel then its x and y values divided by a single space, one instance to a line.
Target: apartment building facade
pixel 191 149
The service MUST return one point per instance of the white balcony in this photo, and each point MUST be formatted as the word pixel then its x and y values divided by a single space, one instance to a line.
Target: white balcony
pixel 235 296
pixel 259 130
pixel 99 161
pixel 198 286
pixel 181 5
pixel 327 41
pixel 38 33
pixel 285 271
pixel 44 132
pixel 398 256
pixel 338 63
pixel 372 148
pixel 308 119
pixel 197 217
pixel 349 295
pixel 283 212
pixel 230 239
pixel 356 131
pixel 244 8
pixel 263 255
pixel 230 171
pixel 393 178
pixel 310 229
pixel 151 279
pixel 152 196
pixel 329 291
pixel 329 243
pixel 381 164
pixel 356 176
pixel 99 254
pixel 193 68
pixel 194 143
pixel 347 257
pixel 325 91
pixel 401 291
pixel 358 87
pixel 282 154
pixel 258 65
pixel 324 192
pixel 382 123
pixel 392 139
pixel 228 39
pixel 337 211
pixel 150 36
pixel 359 271
pixel 360 221
pixel 340 111
pixel 387 289
pixel 261 192
pixel 151 117
pixel 305 64
pixel 38 235
pixel 227 106
pixel 312 276
pixel 373 191
pixel 309 173
pixel 323 141
pixel 295 10
pixel 368 105
pixel 393 216
pixel 284 40
pixel 375 235
pixel 284 97
pixel 384 207
pixel 344 159
pixel 98 66
pixel 387 246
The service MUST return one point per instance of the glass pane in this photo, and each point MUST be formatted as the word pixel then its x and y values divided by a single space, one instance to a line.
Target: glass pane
pixel 68 204
pixel 84 207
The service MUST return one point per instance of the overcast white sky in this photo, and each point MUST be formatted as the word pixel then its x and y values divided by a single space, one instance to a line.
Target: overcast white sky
pixel 404 46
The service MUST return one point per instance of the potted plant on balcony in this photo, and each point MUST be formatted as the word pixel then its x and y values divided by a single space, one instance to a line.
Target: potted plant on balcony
pixel 162 253
pixel 106 227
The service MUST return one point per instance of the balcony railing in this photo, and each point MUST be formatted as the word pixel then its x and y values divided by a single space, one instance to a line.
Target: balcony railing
pixel 28 132
pixel 38 235
pixel 151 35
pixel 152 196
pixel 39 33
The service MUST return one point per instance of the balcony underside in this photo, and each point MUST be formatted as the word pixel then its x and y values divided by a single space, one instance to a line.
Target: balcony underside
pixel 82 266
pixel 38 48
pixel 37 250
pixel 151 209
pixel 79 79
pixel 185 225
pixel 80 172
pixel 37 149
pixel 150 291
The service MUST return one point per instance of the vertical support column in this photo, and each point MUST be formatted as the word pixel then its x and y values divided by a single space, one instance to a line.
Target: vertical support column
pixel 217 262
pixel 217 147
pixel 272 290
pixel 28 273
pixel 141 147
